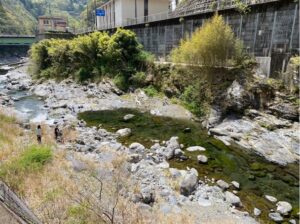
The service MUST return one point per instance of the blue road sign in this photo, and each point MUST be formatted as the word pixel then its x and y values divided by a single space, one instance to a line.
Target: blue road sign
pixel 100 12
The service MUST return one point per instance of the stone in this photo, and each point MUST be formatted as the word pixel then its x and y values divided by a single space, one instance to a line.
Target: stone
pixel 283 207
pixel 276 217
pixel 77 165
pixel 137 147
pixel 187 130
pixel 271 198
pixel 237 98
pixel 128 117
pixel 256 212
pixel 232 199
pixel 292 221
pixel 202 159
pixel 134 158
pixel 178 152
pixel 124 132
pixel 195 148
pixel 173 143
pixel 175 173
pixel 148 195
pixel 189 183
pixel 155 147
pixel 222 184
pixel 168 153
pixel 235 184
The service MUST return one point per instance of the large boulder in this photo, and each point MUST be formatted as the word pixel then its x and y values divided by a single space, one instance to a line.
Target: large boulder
pixel 222 184
pixel 285 110
pixel 276 217
pixel 189 182
pixel 283 207
pixel 173 143
pixel 232 199
pixel 236 98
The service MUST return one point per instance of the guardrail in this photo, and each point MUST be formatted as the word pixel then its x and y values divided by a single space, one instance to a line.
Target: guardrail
pixel 16 205
pixel 198 7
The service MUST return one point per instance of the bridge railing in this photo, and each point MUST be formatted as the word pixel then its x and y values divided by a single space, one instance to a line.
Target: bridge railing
pixel 195 7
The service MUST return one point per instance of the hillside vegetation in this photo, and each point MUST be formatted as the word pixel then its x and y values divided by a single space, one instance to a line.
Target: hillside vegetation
pixel 20 16
pixel 15 18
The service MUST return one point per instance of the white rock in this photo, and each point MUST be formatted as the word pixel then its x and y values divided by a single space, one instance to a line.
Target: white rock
pixel 137 147
pixel 275 217
pixel 127 117
pixel 194 171
pixel 124 132
pixel 189 183
pixel 235 184
pixel 195 148
pixel 204 202
pixel 283 207
pixel 257 212
pixel 202 159
pixel 271 198
pixel 178 152
pixel 292 221
pixel 222 184
pixel 232 199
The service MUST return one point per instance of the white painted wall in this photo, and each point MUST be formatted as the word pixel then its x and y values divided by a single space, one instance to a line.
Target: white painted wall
pixel 158 6
pixel 124 10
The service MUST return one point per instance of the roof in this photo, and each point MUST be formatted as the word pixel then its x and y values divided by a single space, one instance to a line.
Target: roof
pixel 52 17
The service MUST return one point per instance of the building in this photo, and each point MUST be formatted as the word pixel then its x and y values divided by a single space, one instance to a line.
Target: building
pixel 52 23
pixel 120 13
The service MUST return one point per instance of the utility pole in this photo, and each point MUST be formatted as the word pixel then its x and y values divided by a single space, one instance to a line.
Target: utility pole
pixel 87 15
pixel 95 15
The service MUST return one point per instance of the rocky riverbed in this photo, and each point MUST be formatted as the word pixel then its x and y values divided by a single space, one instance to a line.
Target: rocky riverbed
pixel 171 189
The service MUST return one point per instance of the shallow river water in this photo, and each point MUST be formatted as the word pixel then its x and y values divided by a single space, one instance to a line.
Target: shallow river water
pixel 256 176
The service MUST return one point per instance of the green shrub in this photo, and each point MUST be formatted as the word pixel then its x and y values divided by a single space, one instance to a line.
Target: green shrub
pixel 139 79
pixel 121 82
pixel 151 91
pixel 31 160
pixel 90 57
pixel 196 99
pixel 211 45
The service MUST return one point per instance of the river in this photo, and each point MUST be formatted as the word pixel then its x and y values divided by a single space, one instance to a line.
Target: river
pixel 256 176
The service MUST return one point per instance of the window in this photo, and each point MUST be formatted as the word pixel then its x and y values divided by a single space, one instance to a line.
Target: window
pixel 146 9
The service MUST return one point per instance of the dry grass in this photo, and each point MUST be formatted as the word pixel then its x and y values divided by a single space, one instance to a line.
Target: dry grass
pixel 58 194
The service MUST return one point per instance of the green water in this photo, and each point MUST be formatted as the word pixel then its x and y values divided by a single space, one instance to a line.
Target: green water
pixel 256 176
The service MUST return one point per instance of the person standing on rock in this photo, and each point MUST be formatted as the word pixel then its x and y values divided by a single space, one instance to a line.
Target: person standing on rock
pixel 39 134
pixel 56 133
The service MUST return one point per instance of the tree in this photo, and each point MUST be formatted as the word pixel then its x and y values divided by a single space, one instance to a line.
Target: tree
pixel 212 45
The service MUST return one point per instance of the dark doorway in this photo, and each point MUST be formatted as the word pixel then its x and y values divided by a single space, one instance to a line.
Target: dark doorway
pixel 146 9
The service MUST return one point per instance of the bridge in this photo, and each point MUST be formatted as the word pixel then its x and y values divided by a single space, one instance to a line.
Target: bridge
pixel 17 40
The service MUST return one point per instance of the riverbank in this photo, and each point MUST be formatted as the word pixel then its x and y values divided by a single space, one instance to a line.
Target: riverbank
pixel 64 100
